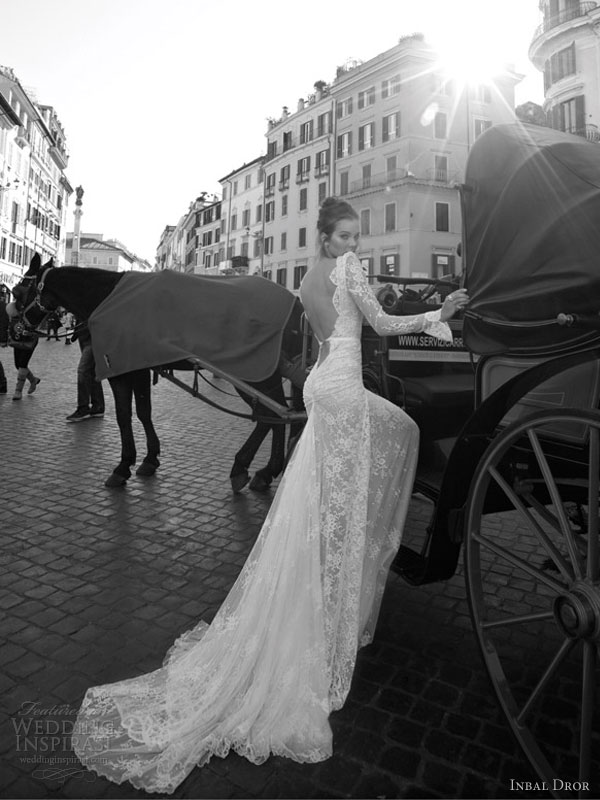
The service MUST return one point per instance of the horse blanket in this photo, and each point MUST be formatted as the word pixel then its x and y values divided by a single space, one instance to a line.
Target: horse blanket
pixel 235 323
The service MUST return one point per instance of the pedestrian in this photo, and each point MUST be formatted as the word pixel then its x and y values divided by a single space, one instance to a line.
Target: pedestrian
pixel 53 324
pixel 90 395
pixel 279 656
pixel 23 341
pixel 3 340
pixel 68 323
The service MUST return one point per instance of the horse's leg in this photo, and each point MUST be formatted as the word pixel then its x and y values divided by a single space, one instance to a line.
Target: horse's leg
pixel 239 476
pixel 273 387
pixel 122 390
pixel 143 407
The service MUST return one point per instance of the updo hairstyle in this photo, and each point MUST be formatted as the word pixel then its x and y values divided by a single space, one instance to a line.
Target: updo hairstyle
pixel 332 210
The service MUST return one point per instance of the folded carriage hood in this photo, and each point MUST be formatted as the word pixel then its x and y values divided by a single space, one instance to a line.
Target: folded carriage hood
pixel 531 237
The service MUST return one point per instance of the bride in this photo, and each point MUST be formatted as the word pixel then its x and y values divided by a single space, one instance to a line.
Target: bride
pixel 278 657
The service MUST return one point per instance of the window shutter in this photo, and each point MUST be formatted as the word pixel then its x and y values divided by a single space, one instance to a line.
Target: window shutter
pixel 361 138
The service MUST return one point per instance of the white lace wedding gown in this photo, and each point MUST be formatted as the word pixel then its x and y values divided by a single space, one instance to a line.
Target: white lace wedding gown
pixel 280 653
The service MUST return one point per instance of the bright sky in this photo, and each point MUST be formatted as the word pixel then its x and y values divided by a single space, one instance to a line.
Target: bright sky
pixel 161 99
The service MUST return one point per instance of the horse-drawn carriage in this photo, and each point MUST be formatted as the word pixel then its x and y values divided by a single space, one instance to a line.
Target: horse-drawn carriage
pixel 510 454
pixel 516 485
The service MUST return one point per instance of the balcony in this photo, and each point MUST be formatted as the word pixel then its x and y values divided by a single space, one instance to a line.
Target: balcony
pixel 270 190
pixel 284 184
pixel 589 132
pixel 566 15
pixel 321 170
pixel 302 177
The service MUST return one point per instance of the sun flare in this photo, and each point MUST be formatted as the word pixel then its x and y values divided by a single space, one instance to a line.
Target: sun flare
pixel 472 39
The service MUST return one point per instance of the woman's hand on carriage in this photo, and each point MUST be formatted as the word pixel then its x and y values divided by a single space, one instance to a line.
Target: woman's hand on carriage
pixel 456 301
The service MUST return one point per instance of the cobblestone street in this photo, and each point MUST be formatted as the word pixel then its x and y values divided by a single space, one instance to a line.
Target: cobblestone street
pixel 96 584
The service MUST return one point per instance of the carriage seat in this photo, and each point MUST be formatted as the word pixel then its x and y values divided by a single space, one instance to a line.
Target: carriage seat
pixel 451 390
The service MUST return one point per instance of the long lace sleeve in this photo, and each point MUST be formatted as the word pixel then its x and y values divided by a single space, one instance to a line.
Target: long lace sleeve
pixel 386 324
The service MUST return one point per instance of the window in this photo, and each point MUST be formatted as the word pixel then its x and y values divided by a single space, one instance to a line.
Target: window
pixel 322 192
pixel 365 222
pixel 284 205
pixel 481 125
pixel 390 217
pixel 287 141
pixel 207 216
pixel 270 184
pixel 217 235
pixel 366 136
pixel 271 153
pixel 248 182
pixel 366 98
pixel 324 123
pixel 206 238
pixel 483 93
pixel 439 125
pixel 441 265
pixel 344 108
pixel 390 264
pixel 303 173
pixel 235 187
pixel 344 145
pixel 391 127
pixel 269 245
pixel 284 177
pixel 246 218
pixel 283 246
pixel 303 199
pixel 306 132
pixel 282 276
pixel 559 66
pixel 366 176
pixel 299 273
pixel 441 168
pixel 302 237
pixel 391 165
pixel 259 212
pixel 442 217
pixel 256 248
pixel 322 162
pixel 206 260
pixel 344 183
pixel 244 251
pixel 390 86
pixel 570 115
pixel 270 211
pixel 233 223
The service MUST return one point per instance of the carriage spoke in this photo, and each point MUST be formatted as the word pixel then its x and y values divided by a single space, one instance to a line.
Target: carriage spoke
pixel 588 690
pixel 557 502
pixel 594 487
pixel 518 620
pixel 529 519
pixel 518 562
pixel 563 652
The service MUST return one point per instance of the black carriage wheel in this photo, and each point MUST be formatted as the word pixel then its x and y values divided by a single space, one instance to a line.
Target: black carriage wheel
pixel 532 571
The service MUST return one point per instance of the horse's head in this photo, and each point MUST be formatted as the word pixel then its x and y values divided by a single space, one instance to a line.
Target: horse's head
pixel 29 294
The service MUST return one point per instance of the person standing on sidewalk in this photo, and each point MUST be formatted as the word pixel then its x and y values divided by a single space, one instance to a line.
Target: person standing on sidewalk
pixel 23 344
pixel 90 396
pixel 3 341
pixel 53 325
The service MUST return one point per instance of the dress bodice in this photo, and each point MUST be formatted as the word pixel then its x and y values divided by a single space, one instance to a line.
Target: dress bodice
pixel 354 300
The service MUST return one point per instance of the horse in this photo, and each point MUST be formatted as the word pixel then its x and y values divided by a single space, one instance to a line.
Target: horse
pixel 80 291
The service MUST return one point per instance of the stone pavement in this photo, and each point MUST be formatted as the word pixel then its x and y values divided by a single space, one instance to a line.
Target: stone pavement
pixel 96 583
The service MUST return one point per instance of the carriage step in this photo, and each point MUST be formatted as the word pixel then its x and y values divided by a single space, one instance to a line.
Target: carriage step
pixel 409 565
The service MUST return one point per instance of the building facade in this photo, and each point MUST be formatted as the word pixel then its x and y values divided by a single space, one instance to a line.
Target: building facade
pixel 566 48
pixel 34 190
pixel 391 136
pixel 242 215
pixel 110 254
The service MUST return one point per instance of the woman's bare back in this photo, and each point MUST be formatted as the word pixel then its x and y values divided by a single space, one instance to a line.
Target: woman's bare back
pixel 316 294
